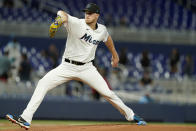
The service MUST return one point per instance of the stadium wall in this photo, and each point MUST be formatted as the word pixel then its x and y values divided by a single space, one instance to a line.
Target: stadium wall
pixel 80 110
pixel 134 47
pixel 118 33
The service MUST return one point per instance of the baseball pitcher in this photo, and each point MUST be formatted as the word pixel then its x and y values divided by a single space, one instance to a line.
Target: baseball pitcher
pixel 84 35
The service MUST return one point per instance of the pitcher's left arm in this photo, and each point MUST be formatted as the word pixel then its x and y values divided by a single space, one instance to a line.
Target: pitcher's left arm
pixel 110 45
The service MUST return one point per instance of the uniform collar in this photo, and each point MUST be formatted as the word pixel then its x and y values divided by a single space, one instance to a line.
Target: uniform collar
pixel 96 26
pixel 89 28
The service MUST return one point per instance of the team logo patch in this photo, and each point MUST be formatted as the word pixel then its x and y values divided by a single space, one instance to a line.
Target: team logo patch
pixel 89 39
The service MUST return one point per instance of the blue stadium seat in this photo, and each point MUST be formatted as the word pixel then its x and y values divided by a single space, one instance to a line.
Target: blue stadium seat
pixel 156 14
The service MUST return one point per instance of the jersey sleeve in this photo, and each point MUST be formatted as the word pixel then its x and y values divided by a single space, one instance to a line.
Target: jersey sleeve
pixel 106 35
pixel 72 24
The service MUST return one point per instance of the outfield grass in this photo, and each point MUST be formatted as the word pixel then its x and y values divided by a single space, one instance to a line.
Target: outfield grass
pixel 77 122
pixel 84 122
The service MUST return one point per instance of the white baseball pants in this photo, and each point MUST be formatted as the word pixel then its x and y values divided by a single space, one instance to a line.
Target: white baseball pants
pixel 65 72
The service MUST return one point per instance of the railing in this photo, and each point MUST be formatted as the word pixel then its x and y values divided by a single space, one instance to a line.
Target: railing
pixel 162 91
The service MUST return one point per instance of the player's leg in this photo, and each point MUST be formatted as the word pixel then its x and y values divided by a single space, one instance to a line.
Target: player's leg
pixel 52 79
pixel 96 81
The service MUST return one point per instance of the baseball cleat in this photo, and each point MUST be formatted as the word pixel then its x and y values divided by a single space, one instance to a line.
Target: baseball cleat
pixel 18 120
pixel 139 120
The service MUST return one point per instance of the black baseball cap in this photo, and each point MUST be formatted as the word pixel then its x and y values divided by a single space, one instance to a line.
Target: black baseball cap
pixel 92 8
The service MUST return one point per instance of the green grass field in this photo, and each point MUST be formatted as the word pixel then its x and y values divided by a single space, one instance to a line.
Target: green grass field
pixel 5 124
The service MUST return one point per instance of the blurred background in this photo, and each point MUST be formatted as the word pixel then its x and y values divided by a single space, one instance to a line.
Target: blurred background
pixel 156 42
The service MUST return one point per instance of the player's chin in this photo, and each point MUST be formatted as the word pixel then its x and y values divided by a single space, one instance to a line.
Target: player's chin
pixel 88 21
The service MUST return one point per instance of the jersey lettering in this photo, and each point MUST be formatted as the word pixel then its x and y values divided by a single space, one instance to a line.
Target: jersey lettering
pixel 89 39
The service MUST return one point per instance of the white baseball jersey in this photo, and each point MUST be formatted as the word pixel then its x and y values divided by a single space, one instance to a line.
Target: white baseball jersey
pixel 82 40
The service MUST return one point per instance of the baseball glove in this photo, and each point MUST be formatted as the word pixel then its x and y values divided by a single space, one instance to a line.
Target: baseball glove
pixel 54 26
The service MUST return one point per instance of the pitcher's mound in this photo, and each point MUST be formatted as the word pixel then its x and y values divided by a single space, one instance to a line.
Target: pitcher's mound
pixel 110 127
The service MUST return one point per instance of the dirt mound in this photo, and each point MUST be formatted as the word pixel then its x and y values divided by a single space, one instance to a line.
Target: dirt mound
pixel 107 127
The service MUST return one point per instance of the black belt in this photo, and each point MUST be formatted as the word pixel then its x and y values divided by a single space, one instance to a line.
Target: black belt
pixel 75 62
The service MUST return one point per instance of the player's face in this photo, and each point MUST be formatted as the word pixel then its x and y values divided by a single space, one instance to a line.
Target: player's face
pixel 91 17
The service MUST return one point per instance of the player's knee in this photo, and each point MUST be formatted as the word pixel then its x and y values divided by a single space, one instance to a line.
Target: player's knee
pixel 41 82
pixel 109 94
